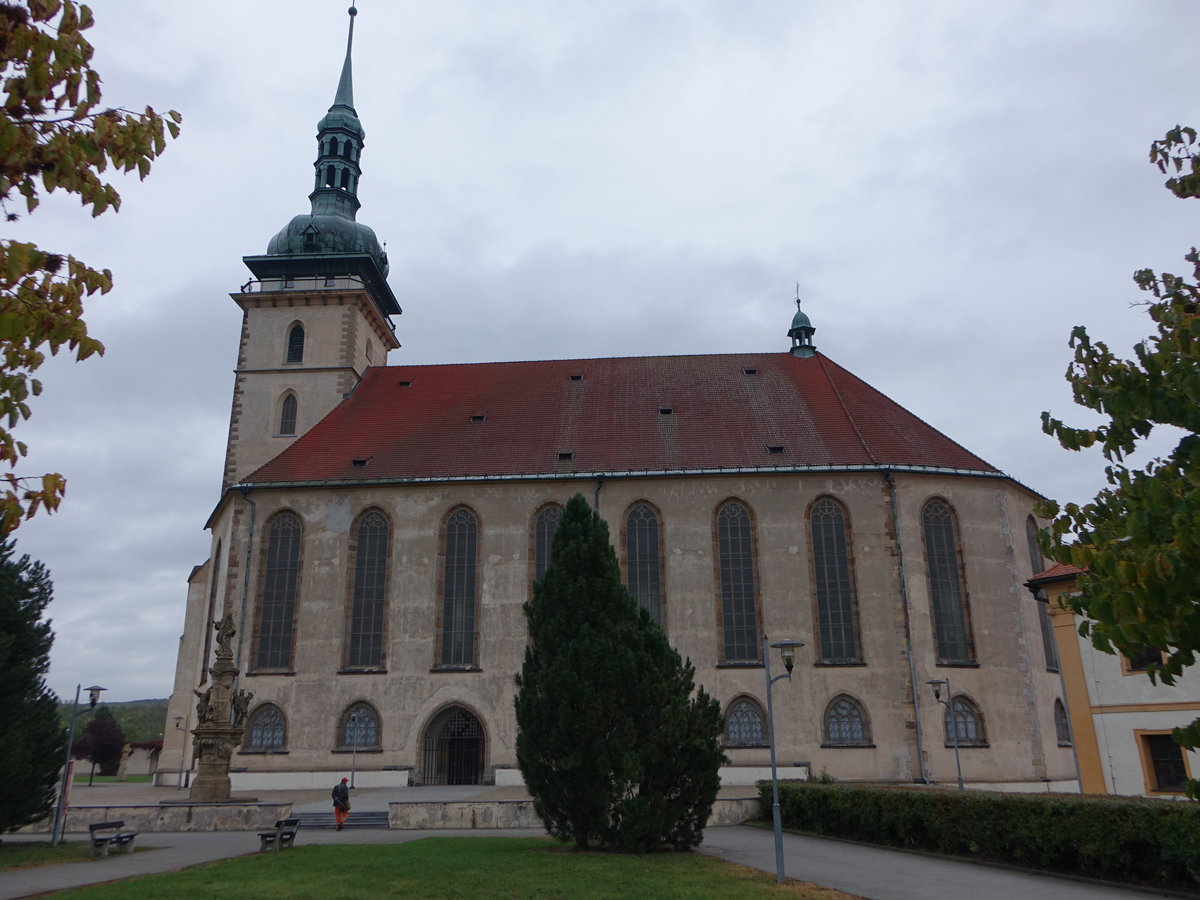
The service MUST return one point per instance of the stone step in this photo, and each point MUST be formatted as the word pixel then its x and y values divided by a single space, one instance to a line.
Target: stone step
pixel 324 820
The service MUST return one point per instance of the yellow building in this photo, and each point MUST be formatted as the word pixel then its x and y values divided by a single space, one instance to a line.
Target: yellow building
pixel 1121 722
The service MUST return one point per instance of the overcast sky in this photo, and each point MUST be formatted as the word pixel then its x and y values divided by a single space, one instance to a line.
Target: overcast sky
pixel 953 185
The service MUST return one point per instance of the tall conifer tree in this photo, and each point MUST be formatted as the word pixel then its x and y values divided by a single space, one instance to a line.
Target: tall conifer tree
pixel 31 734
pixel 613 748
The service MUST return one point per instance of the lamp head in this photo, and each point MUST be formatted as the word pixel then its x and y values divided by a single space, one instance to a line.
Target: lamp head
pixel 936 684
pixel 94 694
pixel 787 649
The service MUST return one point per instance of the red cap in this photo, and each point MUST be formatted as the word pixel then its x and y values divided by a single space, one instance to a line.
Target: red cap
pixel 345 779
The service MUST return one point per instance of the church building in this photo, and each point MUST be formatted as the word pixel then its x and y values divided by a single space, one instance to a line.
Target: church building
pixel 380 526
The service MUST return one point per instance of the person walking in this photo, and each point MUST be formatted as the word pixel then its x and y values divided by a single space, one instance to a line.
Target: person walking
pixel 341 802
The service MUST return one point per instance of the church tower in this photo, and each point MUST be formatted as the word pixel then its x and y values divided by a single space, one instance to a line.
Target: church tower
pixel 317 313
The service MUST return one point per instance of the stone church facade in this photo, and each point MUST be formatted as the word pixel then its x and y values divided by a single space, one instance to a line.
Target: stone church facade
pixel 380 527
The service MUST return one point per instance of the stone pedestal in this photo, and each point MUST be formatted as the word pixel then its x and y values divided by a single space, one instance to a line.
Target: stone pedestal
pixel 221 723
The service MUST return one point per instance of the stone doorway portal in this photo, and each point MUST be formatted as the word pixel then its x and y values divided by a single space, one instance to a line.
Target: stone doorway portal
pixel 453 748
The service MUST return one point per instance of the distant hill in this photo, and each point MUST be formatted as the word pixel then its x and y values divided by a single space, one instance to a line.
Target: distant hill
pixel 140 720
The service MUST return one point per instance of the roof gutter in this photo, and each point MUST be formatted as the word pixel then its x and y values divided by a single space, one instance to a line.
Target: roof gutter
pixel 602 475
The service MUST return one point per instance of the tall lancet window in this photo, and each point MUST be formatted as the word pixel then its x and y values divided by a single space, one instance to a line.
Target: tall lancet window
pixel 277 600
pixel 369 600
pixel 739 592
pixel 643 559
pixel 460 590
pixel 545 524
pixel 947 590
pixel 837 615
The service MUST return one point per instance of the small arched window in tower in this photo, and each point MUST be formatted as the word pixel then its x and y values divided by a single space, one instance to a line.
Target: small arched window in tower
pixel 330 176
pixel 345 152
pixel 287 415
pixel 295 344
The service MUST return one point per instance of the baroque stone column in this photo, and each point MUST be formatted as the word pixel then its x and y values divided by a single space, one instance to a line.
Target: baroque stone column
pixel 221 721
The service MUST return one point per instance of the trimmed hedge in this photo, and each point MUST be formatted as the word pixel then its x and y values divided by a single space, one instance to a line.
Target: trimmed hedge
pixel 1154 843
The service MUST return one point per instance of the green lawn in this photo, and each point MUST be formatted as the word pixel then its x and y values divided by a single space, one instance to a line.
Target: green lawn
pixel 451 867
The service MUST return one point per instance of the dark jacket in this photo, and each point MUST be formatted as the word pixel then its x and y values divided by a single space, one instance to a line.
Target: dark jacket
pixel 341 795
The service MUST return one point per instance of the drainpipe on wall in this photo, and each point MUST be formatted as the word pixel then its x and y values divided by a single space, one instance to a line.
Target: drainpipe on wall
pixel 245 574
pixel 599 484
pixel 908 649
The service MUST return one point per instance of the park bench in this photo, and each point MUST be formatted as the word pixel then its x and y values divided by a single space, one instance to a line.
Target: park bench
pixel 284 835
pixel 106 835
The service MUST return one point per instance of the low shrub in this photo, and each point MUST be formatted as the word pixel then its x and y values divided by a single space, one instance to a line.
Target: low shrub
pixel 1134 840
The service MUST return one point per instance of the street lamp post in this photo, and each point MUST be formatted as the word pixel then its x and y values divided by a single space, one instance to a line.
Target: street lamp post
pixel 787 649
pixel 936 684
pixel 93 696
pixel 353 723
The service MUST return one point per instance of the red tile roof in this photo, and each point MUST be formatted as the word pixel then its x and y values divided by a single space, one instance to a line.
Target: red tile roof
pixel 1057 572
pixel 611 415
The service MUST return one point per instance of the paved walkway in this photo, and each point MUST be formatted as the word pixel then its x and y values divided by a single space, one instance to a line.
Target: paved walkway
pixel 868 872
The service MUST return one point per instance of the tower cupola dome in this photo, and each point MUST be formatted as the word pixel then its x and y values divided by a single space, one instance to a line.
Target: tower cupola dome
pixel 801 333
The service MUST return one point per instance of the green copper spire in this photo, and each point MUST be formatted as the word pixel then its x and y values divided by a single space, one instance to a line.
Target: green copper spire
pixel 340 139
pixel 345 90
pixel 328 241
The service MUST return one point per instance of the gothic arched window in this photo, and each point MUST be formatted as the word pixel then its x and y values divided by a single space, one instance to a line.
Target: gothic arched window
pixel 359 728
pixel 846 723
pixel 545 524
pixel 739 594
pixel 460 589
pixel 295 344
pixel 745 724
pixel 369 600
pixel 947 592
pixel 277 601
pixel 643 561
pixel 267 729
pixel 837 617
pixel 964 723
pixel 288 410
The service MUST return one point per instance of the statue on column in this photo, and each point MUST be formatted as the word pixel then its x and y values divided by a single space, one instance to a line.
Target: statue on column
pixel 221 714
